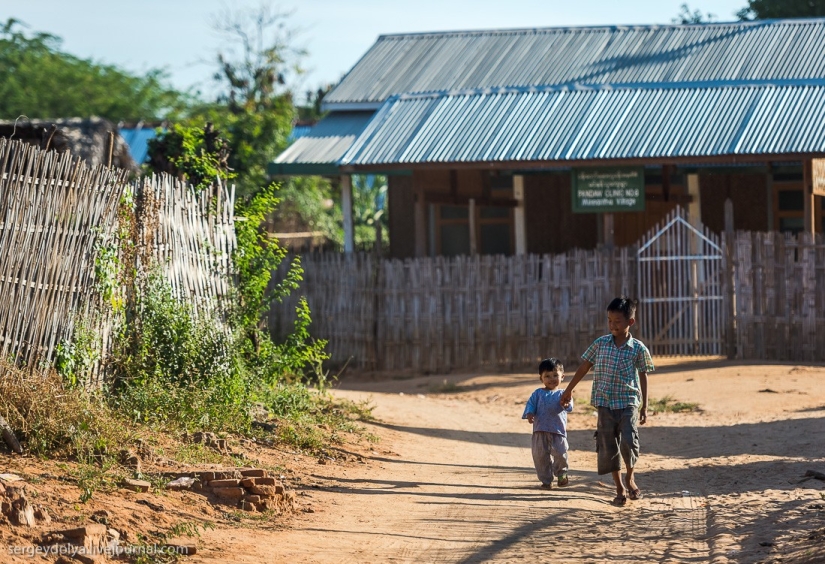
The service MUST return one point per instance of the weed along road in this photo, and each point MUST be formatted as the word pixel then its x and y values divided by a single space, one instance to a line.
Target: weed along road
pixel 452 479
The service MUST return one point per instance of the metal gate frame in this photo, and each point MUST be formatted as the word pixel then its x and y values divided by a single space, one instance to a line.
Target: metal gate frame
pixel 681 294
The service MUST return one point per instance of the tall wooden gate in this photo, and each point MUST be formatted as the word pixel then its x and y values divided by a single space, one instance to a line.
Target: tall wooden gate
pixel 680 276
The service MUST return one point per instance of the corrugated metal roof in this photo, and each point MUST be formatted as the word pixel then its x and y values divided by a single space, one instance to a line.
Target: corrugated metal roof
pixel 572 124
pixel 761 50
pixel 138 140
pixel 327 141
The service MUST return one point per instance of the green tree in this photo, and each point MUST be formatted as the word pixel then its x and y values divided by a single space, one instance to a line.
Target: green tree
pixel 254 109
pixel 769 9
pixel 369 217
pixel 39 80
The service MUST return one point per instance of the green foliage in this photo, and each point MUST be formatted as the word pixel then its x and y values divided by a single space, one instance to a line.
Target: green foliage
pixel 196 156
pixel 770 9
pixel 176 369
pixel 311 111
pixel 307 203
pixel 369 196
pixel 39 80
pixel 254 109
pixel 75 357
pixel 310 420
pixel 257 257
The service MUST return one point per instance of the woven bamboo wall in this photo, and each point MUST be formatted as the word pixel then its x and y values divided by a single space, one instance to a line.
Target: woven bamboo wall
pixel 53 211
pixel 780 296
pixel 439 314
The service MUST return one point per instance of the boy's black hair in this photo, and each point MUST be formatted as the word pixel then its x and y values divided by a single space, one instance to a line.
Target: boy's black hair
pixel 550 365
pixel 624 305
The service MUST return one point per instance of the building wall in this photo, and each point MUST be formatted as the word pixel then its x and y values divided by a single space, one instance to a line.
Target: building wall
pixel 630 227
pixel 553 228
pixel 551 225
pixel 401 204
pixel 749 194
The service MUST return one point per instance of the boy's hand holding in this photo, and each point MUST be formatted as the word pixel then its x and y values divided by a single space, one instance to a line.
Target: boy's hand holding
pixel 530 418
pixel 566 397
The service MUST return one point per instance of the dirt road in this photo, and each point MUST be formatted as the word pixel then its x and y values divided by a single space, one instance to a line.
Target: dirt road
pixel 452 478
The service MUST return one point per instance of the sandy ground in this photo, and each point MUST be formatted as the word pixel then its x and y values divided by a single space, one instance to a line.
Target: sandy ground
pixel 451 479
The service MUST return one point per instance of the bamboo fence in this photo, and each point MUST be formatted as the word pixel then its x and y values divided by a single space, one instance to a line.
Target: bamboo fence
pixel 52 210
pixel 54 213
pixel 439 314
pixel 779 297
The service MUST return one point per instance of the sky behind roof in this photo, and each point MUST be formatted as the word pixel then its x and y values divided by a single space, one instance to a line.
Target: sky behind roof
pixel 178 36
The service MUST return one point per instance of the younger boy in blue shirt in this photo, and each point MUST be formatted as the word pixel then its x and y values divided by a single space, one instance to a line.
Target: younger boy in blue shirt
pixel 549 418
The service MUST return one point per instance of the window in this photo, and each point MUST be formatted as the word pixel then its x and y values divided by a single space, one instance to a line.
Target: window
pixel 788 206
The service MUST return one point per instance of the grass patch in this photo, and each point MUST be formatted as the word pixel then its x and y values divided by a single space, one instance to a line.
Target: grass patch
pixel 669 404
pixel 312 421
pixel 54 420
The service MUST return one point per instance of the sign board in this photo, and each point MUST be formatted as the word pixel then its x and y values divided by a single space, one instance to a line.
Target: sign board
pixel 618 189
pixel 818 176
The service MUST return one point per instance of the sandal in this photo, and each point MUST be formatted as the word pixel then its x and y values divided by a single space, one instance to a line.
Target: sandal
pixel 619 501
pixel 563 480
pixel 635 494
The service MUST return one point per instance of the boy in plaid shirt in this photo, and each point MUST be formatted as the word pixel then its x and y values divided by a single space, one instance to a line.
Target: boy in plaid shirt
pixel 619 393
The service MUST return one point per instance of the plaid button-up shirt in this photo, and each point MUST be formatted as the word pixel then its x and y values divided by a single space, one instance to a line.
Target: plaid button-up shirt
pixel 616 372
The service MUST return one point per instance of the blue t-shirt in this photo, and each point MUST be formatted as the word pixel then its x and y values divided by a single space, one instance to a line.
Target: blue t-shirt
pixel 551 417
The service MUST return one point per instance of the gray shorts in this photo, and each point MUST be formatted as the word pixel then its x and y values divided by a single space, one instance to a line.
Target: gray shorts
pixel 617 436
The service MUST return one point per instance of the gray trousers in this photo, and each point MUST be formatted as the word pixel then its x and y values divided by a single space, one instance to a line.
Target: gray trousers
pixel 617 438
pixel 549 455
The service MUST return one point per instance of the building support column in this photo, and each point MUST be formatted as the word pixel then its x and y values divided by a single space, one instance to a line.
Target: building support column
pixel 471 212
pixel 346 211
pixel 695 205
pixel 809 200
pixel 518 215
pixel 769 195
pixel 420 219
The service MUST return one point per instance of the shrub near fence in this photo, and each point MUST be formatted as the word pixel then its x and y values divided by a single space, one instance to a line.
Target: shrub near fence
pixel 438 314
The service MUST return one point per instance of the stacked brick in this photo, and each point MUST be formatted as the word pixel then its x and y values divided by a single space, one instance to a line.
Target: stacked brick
pixel 250 489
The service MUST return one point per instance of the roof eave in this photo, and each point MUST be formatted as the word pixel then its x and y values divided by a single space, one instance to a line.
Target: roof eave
pixel 350 106
pixel 532 165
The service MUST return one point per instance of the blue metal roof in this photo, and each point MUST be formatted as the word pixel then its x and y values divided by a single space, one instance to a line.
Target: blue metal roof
pixel 564 124
pixel 704 53
pixel 322 146
pixel 298 131
pixel 138 140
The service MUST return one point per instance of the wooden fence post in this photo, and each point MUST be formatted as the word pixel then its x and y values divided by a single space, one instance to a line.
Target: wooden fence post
pixel 730 330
